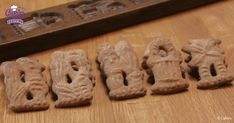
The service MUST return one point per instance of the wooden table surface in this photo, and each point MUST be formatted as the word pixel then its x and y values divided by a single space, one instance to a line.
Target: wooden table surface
pixel 194 106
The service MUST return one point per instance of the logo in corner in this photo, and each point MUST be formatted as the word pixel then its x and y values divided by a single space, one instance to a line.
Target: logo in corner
pixel 15 15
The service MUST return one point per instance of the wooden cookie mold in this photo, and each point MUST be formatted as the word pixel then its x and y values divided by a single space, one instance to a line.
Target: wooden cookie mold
pixel 77 20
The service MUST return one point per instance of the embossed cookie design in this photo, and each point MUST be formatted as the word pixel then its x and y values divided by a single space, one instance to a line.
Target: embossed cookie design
pixel 209 59
pixel 73 82
pixel 120 66
pixel 25 85
pixel 162 61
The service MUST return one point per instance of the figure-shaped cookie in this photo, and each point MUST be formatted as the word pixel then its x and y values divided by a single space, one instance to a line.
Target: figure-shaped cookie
pixel 118 63
pixel 163 61
pixel 71 73
pixel 25 85
pixel 208 57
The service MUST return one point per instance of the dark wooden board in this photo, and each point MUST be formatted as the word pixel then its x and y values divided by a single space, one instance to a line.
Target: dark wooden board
pixel 78 20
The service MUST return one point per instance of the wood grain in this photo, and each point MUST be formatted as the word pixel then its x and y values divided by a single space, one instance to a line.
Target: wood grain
pixel 194 106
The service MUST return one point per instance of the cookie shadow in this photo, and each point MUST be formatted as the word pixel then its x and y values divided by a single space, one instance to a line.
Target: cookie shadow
pixel 170 93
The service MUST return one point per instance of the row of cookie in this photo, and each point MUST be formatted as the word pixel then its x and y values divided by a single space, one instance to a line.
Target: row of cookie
pixel 73 81
pixel 162 61
pixel 26 87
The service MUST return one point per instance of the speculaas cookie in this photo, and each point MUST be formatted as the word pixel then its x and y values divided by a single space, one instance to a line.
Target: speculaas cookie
pixel 120 66
pixel 162 61
pixel 73 82
pixel 209 59
pixel 25 85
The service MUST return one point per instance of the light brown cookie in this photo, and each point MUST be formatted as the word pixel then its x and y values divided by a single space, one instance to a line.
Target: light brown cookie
pixel 73 82
pixel 120 66
pixel 162 61
pixel 25 85
pixel 209 59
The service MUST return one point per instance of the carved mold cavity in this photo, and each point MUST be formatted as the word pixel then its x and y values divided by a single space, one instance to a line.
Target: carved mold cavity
pixel 88 9
pixel 36 21
pixel 137 1
pixel 83 9
pixel 51 17
pixel 115 6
